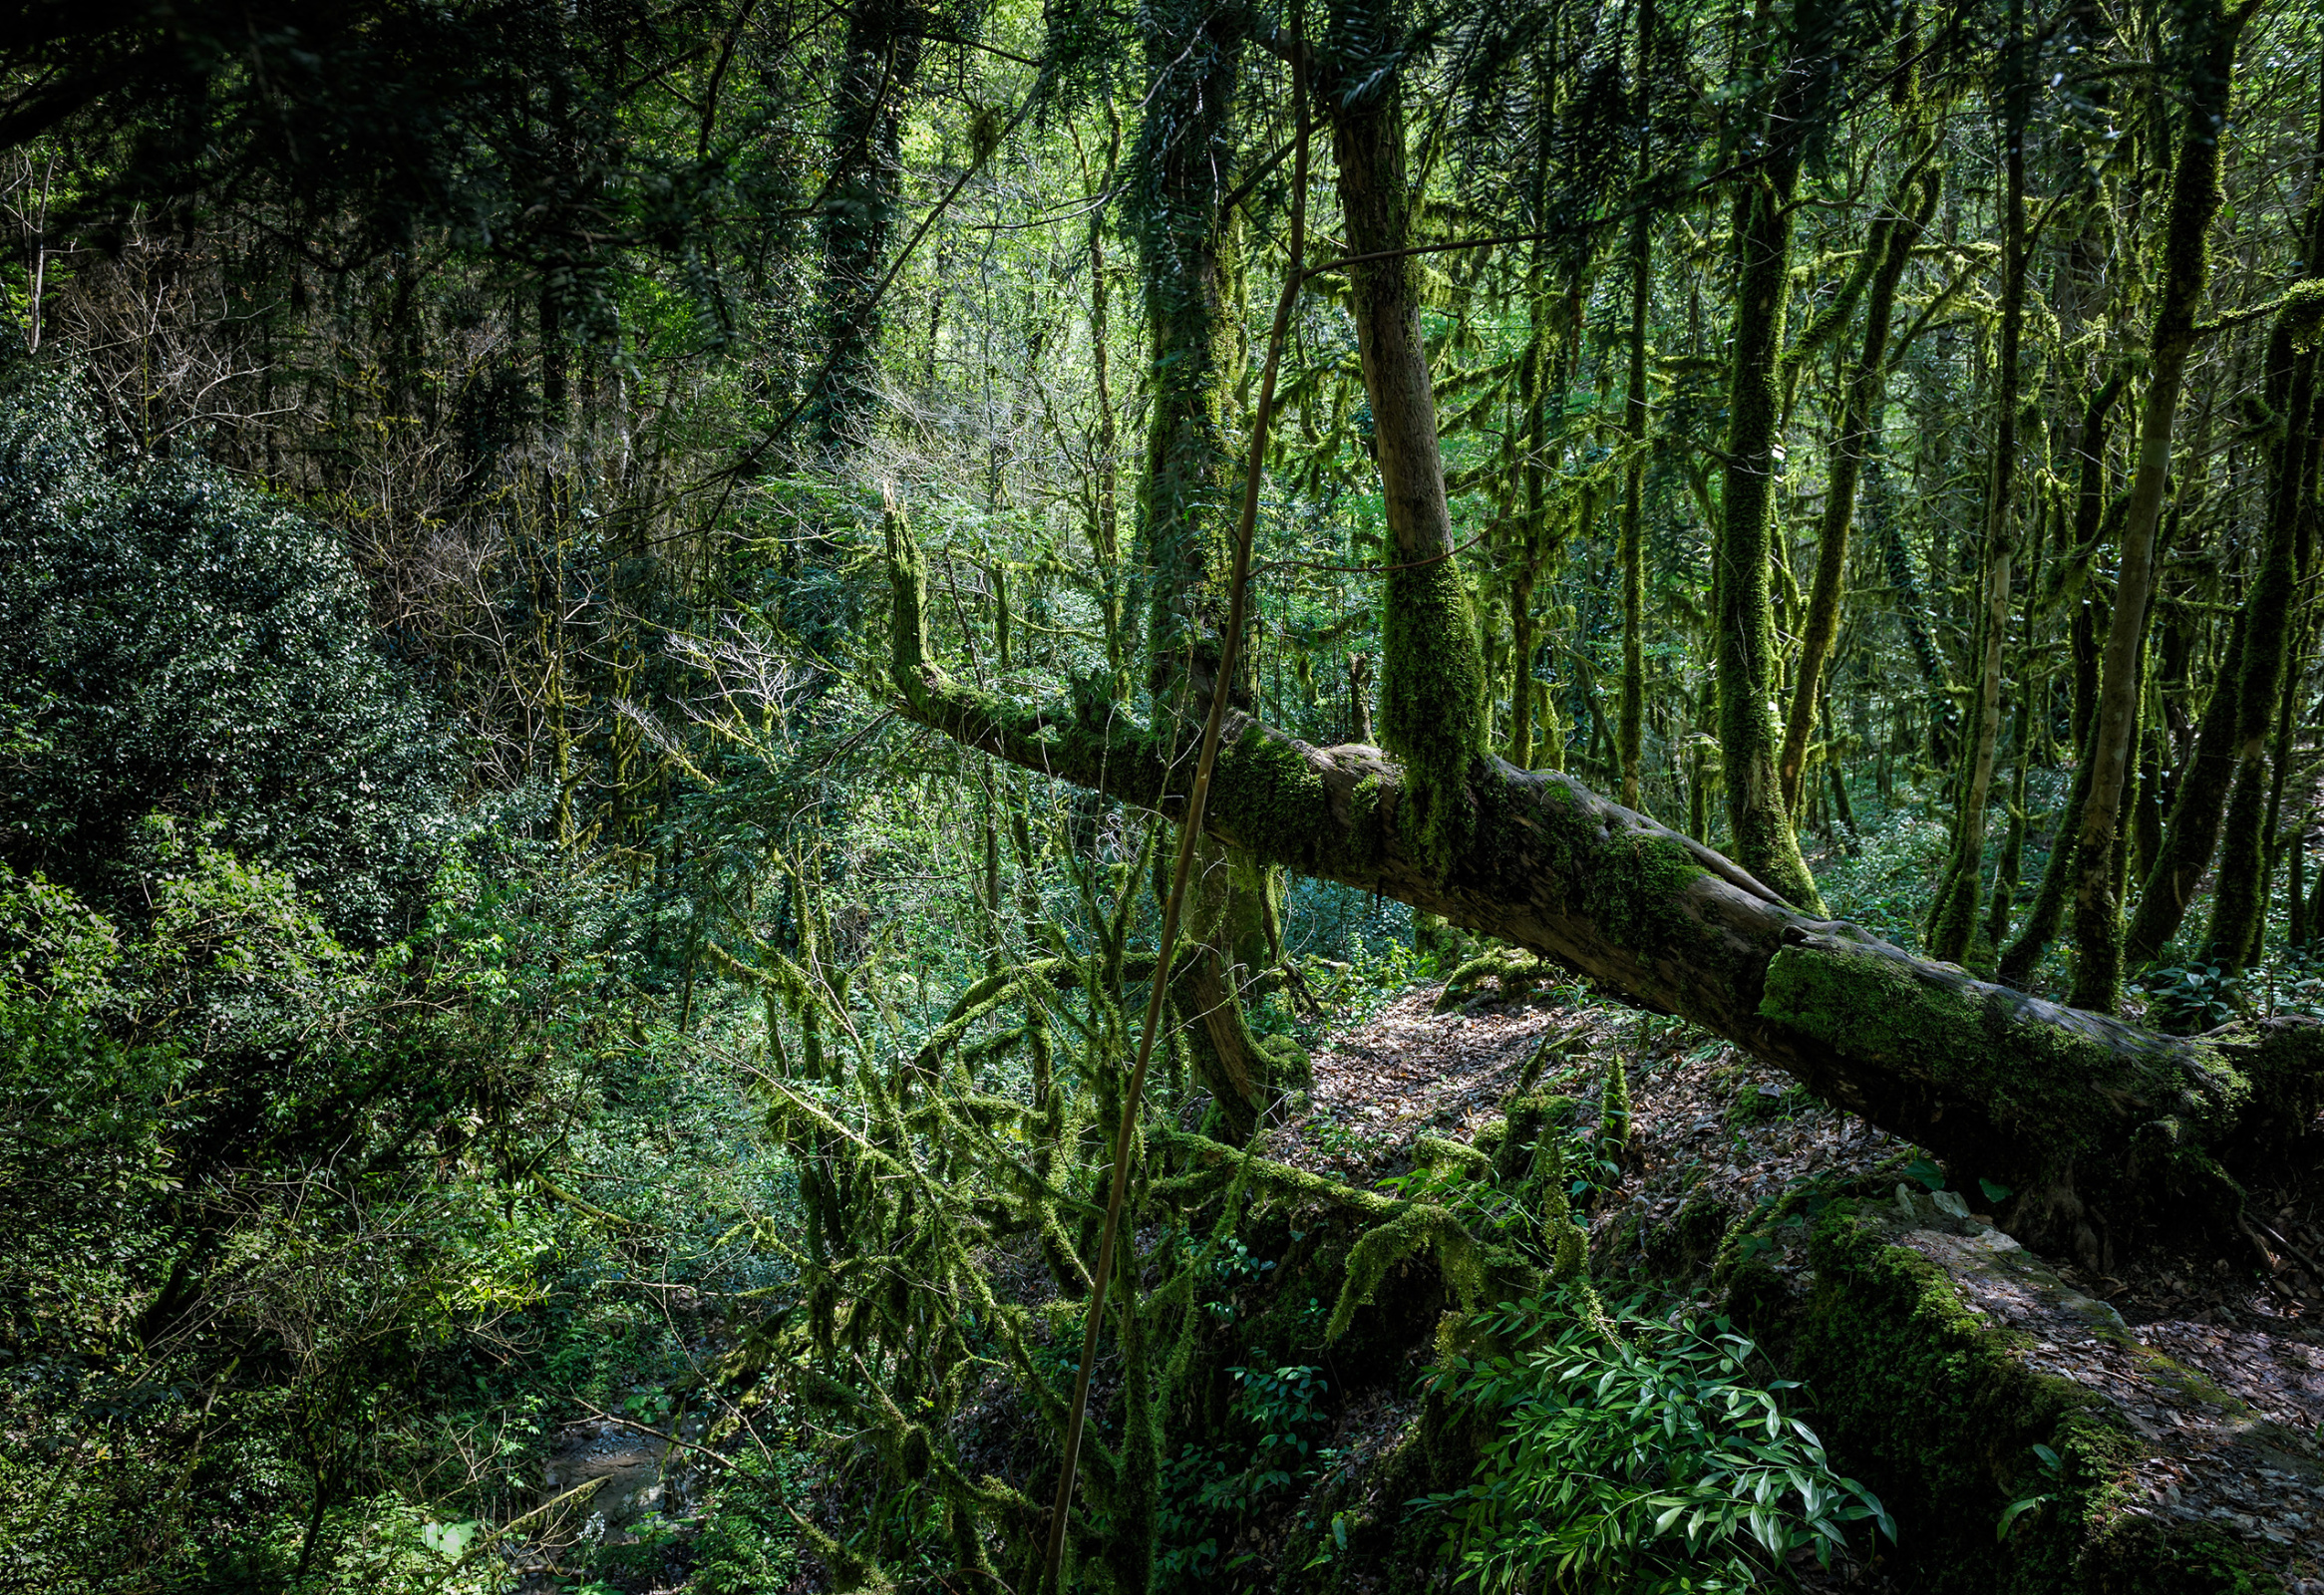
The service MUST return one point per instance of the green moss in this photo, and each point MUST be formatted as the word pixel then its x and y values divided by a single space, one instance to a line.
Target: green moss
pixel 1433 713
pixel 1512 968
pixel 1385 1246
pixel 2027 1071
pixel 1931 1408
pixel 1276 796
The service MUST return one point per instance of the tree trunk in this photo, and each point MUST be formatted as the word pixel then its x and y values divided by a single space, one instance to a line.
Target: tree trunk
pixel 1532 469
pixel 2195 815
pixel 1954 922
pixel 1104 488
pixel 1893 238
pixel 1748 741
pixel 2094 1125
pixel 2032 677
pixel 2019 959
pixel 1910 604
pixel 1432 673
pixel 2239 901
pixel 1629 739
pixel 881 58
pixel 2208 43
pixel 1191 262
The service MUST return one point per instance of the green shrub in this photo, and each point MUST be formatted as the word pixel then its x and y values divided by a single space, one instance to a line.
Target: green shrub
pixel 1655 1462
pixel 173 642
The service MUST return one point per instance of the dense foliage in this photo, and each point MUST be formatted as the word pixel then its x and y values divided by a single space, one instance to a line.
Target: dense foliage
pixel 609 613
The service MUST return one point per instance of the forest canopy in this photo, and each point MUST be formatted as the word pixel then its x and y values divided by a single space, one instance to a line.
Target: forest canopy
pixel 1371 796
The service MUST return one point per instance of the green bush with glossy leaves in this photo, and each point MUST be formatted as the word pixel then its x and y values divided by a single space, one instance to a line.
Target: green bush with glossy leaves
pixel 173 642
pixel 1661 1462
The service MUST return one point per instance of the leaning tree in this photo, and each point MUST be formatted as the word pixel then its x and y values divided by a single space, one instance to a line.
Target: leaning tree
pixel 2105 1134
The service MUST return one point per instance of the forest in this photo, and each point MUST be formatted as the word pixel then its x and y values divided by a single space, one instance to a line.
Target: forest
pixel 951 795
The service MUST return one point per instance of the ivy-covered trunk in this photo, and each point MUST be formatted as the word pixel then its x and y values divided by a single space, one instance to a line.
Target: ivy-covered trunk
pixel 1190 259
pixel 878 67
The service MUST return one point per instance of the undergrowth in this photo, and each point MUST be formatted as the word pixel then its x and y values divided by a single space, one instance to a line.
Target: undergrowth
pixel 1663 1460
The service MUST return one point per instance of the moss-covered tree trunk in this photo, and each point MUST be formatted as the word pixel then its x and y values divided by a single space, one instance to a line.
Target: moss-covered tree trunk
pixel 2188 840
pixel 1750 744
pixel 1895 236
pixel 1953 924
pixel 2019 958
pixel 1910 604
pixel 1432 671
pixel 2240 900
pixel 2208 33
pixel 2032 682
pixel 1630 736
pixel 878 63
pixel 1105 484
pixel 1534 432
pixel 1190 265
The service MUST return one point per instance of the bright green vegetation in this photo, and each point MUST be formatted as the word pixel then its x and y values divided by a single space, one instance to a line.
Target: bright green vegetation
pixel 1663 1461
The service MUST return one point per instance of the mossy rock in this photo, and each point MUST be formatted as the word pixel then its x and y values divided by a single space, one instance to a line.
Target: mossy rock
pixel 1756 1103
pixel 1690 1240
pixel 1922 1340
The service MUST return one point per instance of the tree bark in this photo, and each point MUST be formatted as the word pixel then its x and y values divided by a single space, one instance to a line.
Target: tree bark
pixel 879 63
pixel 2032 680
pixel 1954 923
pixel 2208 40
pixel 2239 901
pixel 1630 736
pixel 2020 957
pixel 2095 1125
pixel 1432 673
pixel 2194 831
pixel 1758 818
pixel 1190 265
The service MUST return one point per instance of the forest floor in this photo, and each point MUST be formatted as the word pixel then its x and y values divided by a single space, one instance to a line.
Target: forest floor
pixel 2220 1377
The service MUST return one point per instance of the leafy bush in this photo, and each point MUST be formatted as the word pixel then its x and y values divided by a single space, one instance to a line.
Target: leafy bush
pixel 2186 998
pixel 170 641
pixel 1211 1493
pixel 1655 1462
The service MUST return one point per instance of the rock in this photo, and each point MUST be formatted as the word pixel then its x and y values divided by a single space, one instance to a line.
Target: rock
pixel 1941 1354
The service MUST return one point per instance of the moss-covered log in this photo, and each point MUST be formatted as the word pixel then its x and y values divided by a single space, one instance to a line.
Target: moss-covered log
pixel 2105 1132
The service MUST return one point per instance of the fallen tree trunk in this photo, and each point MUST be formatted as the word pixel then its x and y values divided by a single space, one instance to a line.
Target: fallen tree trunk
pixel 2105 1135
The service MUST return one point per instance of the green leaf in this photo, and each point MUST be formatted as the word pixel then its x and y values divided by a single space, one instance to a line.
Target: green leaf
pixel 2011 1513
